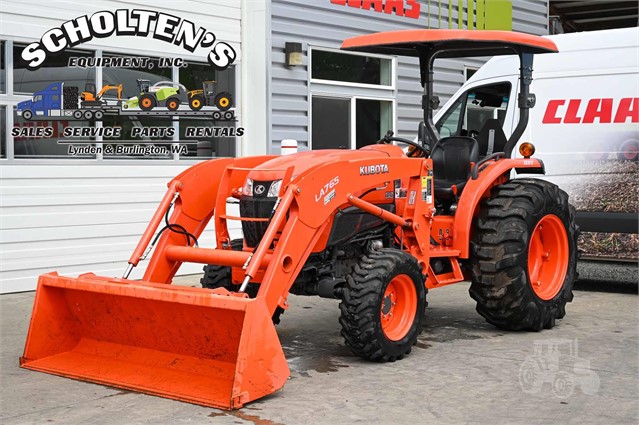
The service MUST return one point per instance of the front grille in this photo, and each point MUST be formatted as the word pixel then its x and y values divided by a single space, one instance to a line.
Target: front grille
pixel 252 207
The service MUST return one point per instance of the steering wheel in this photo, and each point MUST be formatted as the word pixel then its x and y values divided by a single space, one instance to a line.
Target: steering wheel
pixel 388 138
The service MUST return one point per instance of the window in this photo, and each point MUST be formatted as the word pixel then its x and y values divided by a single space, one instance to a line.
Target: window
pixel 32 144
pixel 3 132
pixel 352 98
pixel 55 69
pixel 195 74
pixel 373 119
pixel 351 68
pixel 129 77
pixel 52 95
pixel 331 123
pixel 349 123
pixel 470 111
pixel 221 143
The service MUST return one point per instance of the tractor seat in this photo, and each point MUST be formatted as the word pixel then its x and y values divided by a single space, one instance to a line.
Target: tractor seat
pixel 452 157
pixel 491 138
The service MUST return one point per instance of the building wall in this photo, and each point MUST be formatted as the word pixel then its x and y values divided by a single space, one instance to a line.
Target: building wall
pixel 324 24
pixel 76 216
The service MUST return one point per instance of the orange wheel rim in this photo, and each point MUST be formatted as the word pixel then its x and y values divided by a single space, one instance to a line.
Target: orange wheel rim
pixel 146 102
pixel 398 308
pixel 548 256
pixel 173 105
pixel 224 102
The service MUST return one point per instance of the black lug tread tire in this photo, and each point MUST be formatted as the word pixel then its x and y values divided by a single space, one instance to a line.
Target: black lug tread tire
pixel 220 97
pixel 220 277
pixel 499 255
pixel 361 303
pixel 152 99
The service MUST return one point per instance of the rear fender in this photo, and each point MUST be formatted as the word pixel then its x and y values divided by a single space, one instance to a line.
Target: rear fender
pixel 492 174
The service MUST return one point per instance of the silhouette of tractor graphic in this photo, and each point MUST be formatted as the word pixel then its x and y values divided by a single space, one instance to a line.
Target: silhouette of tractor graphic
pixel 556 361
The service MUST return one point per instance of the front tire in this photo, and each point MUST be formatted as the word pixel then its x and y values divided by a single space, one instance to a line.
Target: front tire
pixel 147 102
pixel 196 103
pixel 382 305
pixel 524 255
pixel 220 277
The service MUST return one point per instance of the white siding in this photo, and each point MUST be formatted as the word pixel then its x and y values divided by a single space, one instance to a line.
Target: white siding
pixel 78 219
pixel 83 217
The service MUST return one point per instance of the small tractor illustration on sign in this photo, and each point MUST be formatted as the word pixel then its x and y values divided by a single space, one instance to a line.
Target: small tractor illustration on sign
pixel 555 361
pixel 207 97
pixel 165 93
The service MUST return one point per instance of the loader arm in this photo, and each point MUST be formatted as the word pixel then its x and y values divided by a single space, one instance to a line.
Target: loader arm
pixel 197 191
pixel 297 224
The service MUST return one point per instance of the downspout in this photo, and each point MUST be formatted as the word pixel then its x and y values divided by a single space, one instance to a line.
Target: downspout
pixel 525 101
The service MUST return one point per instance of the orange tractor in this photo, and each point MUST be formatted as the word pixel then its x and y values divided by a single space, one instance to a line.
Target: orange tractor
pixel 375 228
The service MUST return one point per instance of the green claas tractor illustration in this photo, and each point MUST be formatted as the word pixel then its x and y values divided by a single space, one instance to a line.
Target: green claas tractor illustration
pixel 207 97
pixel 163 93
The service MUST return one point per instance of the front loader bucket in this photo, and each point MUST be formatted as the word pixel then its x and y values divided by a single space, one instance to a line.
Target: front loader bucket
pixel 182 343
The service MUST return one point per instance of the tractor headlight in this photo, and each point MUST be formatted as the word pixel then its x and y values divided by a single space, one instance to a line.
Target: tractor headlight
pixel 274 190
pixel 247 190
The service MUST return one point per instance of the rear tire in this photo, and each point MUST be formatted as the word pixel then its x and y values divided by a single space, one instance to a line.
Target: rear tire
pixel 224 101
pixel 172 103
pixel 510 245
pixel 382 305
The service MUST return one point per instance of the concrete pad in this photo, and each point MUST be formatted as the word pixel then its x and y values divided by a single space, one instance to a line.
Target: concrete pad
pixel 463 370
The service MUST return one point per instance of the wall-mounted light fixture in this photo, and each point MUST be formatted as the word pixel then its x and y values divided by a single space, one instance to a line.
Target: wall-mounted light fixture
pixel 293 54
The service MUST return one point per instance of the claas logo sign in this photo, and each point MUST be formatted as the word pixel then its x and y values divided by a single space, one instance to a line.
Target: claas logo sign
pixel 603 111
pixel 408 9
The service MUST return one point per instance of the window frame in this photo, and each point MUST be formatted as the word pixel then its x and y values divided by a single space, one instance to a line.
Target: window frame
pixel 393 64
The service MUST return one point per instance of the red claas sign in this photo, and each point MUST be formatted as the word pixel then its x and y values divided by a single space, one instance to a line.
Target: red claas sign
pixel 408 8
pixel 604 111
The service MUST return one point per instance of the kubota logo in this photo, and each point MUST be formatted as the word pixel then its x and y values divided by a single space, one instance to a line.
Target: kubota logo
pixel 604 111
pixel 366 170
